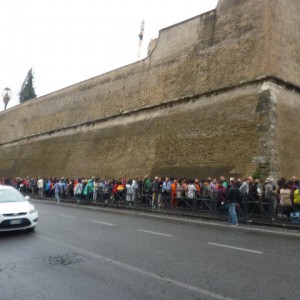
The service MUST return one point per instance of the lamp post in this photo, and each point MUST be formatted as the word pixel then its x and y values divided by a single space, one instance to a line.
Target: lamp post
pixel 6 96
pixel 141 36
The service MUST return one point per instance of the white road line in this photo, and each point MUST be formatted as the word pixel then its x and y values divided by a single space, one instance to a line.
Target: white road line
pixel 67 216
pixel 134 269
pixel 236 248
pixel 157 233
pixel 102 223
pixel 254 228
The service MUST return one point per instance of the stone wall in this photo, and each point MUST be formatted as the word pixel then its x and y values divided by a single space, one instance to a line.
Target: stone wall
pixel 284 39
pixel 286 131
pixel 210 99
pixel 208 135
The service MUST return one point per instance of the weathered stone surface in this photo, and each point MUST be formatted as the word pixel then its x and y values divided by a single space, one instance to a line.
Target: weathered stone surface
pixel 218 94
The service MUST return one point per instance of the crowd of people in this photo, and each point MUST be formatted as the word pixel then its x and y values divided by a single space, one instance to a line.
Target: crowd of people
pixel 273 198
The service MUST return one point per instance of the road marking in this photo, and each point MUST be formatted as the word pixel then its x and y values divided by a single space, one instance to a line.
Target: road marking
pixel 157 233
pixel 134 269
pixel 102 223
pixel 236 248
pixel 67 216
pixel 254 228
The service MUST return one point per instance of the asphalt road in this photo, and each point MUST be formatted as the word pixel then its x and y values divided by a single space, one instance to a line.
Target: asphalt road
pixel 78 253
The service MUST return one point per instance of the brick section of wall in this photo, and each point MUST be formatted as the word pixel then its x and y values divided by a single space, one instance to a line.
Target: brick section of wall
pixel 287 137
pixel 284 24
pixel 199 137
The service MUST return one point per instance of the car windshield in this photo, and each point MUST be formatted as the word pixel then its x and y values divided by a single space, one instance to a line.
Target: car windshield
pixel 10 195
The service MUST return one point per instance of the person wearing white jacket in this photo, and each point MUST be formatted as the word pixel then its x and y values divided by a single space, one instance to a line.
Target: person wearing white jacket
pixel 78 191
pixel 40 185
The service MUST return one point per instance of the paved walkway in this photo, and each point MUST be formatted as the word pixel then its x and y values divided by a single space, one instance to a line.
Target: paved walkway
pixel 177 214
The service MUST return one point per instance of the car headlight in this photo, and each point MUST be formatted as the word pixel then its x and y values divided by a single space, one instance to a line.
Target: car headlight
pixel 32 209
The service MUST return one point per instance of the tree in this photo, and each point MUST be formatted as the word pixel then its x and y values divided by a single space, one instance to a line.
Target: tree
pixel 6 96
pixel 27 90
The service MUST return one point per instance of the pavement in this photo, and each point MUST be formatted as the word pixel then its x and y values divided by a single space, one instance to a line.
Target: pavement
pixel 88 252
pixel 198 216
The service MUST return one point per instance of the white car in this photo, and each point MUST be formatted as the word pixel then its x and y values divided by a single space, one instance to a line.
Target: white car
pixel 16 212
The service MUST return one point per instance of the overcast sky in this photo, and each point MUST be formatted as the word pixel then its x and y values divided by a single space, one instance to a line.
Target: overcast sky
pixel 68 41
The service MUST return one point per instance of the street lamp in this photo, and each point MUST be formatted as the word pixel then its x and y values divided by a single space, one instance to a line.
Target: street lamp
pixel 6 96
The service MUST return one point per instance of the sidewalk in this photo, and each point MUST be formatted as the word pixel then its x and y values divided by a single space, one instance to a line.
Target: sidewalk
pixel 221 217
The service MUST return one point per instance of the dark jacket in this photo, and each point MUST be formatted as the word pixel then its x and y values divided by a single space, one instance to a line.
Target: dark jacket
pixel 233 195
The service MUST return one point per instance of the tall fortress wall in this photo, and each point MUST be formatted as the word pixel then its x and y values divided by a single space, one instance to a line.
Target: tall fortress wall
pixel 217 94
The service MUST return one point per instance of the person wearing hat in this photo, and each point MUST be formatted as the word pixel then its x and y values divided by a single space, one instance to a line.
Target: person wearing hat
pixel 270 203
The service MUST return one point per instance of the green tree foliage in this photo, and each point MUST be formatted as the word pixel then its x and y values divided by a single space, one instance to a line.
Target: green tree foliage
pixel 27 91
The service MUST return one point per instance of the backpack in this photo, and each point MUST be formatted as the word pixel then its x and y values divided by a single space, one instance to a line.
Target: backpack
pixel 107 189
pixel 78 189
pixel 296 196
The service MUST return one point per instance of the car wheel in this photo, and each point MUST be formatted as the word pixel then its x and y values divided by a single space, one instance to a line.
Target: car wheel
pixel 30 229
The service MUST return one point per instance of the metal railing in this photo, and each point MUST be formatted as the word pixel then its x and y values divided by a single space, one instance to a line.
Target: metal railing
pixel 211 204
